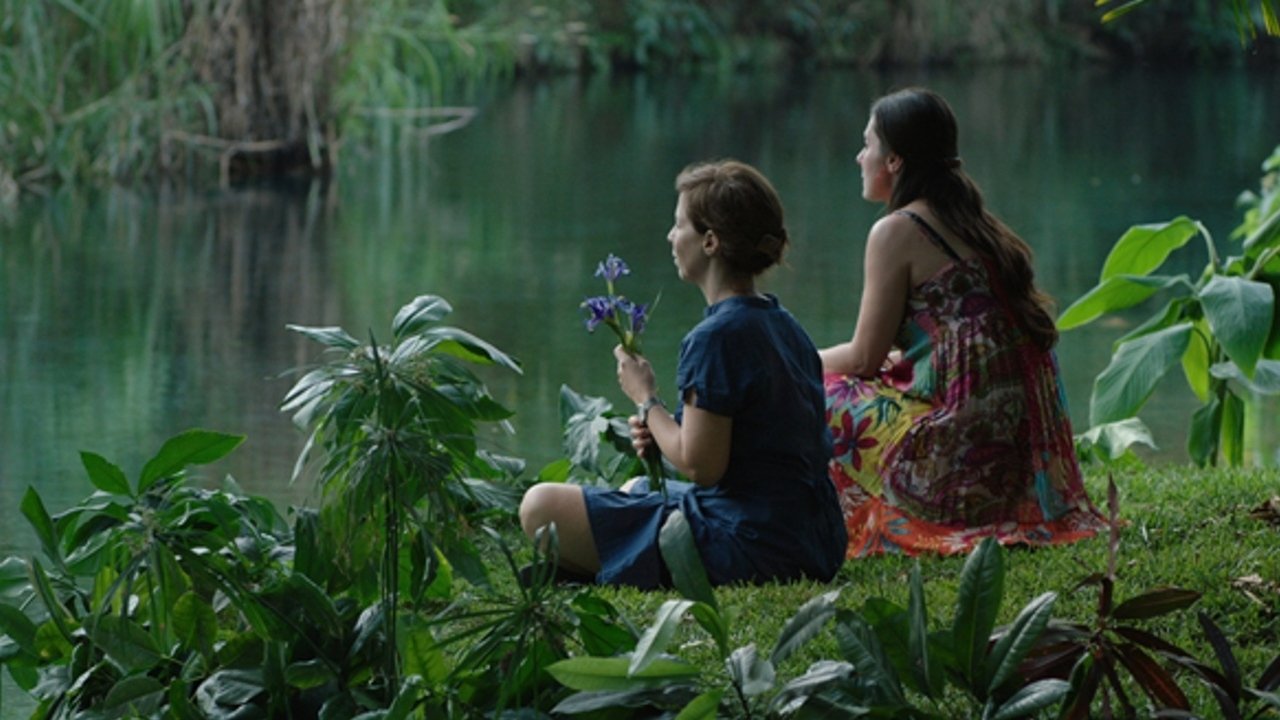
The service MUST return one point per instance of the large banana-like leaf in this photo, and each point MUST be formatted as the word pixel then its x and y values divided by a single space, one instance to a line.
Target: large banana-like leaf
pixel 1239 311
pixel 1144 248
pixel 1133 373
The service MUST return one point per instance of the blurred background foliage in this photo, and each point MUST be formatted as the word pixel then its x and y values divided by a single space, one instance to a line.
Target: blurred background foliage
pixel 197 90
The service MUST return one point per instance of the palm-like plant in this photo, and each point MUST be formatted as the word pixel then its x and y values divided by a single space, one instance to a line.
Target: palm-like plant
pixel 401 473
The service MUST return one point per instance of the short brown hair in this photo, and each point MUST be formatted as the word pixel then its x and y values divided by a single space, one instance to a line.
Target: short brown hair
pixel 739 204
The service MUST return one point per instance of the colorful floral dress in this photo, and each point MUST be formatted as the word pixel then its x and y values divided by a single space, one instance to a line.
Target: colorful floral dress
pixel 965 436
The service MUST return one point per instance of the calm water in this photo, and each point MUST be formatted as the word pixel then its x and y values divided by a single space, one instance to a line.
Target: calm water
pixel 126 315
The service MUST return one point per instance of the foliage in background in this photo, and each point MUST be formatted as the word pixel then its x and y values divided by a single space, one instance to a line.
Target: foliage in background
pixel 1222 328
pixel 197 89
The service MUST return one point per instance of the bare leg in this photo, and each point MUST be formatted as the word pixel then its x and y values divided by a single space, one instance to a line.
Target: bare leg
pixel 562 504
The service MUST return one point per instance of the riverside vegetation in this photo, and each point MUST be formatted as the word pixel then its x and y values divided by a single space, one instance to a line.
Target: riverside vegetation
pixel 159 596
pixel 198 90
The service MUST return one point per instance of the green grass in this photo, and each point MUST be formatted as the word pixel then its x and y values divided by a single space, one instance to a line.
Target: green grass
pixel 1185 527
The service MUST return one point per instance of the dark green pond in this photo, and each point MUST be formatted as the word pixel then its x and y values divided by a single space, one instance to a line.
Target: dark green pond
pixel 129 315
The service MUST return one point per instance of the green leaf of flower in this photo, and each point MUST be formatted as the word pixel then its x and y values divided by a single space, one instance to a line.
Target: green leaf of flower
pixel 1126 383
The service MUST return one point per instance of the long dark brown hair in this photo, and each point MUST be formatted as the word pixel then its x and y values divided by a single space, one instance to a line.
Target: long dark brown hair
pixel 919 126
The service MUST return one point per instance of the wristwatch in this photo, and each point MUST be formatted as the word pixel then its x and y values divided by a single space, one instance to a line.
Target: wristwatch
pixel 642 409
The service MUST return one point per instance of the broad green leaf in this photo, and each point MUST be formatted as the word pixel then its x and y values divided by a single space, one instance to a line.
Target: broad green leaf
pixel 1113 440
pixel 1017 641
pixel 51 646
pixel 406 699
pixel 1117 293
pixel 15 624
pixel 328 336
pixel 104 475
pixel 1239 311
pixel 195 623
pixel 1204 432
pixel 193 447
pixel 1265 380
pixel 804 625
pixel 1119 12
pixel 1175 311
pixel 753 675
pixel 977 602
pixel 1135 369
pixel 180 705
pixel 618 703
pixel 860 646
pixel 595 673
pixel 1195 362
pixel 316 605
pixel 1144 248
pixel 714 623
pixel 464 345
pixel 1231 442
pixel 1267 235
pixel 1032 698
pixel 232 688
pixel 57 612
pixel 125 642
pixel 33 509
pixel 799 691
pixel 308 674
pixel 653 643
pixel 926 677
pixel 420 652
pixel 140 695
pixel 1155 603
pixel 418 313
pixel 703 707
pixel 679 551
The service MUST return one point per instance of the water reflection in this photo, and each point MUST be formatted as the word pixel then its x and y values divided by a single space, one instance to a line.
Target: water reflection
pixel 128 316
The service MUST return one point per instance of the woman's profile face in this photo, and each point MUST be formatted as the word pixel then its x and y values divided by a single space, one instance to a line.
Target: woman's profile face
pixel 877 180
pixel 686 245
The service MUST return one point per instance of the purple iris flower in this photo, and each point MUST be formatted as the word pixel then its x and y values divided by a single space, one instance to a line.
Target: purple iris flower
pixel 612 268
pixel 599 309
pixel 639 316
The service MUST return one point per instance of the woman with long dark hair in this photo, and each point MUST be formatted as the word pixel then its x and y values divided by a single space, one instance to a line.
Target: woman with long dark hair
pixel 946 406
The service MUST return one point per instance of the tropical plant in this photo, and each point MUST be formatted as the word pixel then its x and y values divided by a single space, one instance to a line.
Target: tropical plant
pixel 1092 656
pixel 1229 690
pixel 888 650
pixel 138 577
pixel 1223 329
pixel 1240 11
pixel 402 476
pixel 506 639
pixel 597 443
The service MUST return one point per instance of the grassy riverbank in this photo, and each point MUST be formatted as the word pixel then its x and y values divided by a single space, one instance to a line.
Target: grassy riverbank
pixel 1185 527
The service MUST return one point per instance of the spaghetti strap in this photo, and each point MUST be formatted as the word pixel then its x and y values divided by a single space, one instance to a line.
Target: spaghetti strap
pixel 930 233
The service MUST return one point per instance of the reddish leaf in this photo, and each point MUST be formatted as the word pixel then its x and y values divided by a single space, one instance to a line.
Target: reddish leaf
pixel 1155 603
pixel 1152 642
pixel 1082 698
pixel 1154 680
pixel 1226 658
pixel 1051 661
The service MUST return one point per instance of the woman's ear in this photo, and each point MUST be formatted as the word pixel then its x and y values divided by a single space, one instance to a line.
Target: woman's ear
pixel 710 243
pixel 894 163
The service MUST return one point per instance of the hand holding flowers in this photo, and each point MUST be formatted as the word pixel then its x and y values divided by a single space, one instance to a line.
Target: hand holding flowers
pixel 627 320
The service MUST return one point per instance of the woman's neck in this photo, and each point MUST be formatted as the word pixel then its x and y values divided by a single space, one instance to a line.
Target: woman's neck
pixel 723 288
